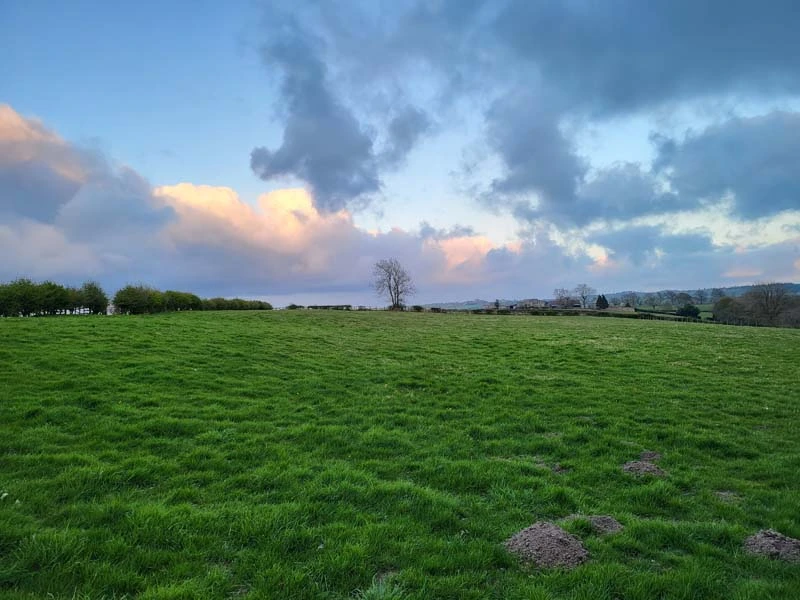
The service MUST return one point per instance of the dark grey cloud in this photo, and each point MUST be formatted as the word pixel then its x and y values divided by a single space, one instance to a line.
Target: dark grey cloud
pixel 33 189
pixel 638 244
pixel 624 191
pixel 524 131
pixel 751 160
pixel 755 159
pixel 403 132
pixel 427 231
pixel 323 142
pixel 624 55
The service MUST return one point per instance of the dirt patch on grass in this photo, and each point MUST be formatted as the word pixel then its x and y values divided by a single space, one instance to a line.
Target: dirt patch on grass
pixel 643 467
pixel 772 544
pixel 650 456
pixel 603 524
pixel 547 545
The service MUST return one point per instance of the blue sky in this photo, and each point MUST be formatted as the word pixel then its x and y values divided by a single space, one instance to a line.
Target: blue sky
pixel 497 149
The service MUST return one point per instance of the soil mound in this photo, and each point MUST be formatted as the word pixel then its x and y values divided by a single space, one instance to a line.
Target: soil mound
pixel 650 456
pixel 643 467
pixel 547 545
pixel 605 524
pixel 772 544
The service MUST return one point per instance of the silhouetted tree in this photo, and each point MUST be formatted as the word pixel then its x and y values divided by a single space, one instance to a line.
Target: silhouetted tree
pixel 391 280
pixel 584 291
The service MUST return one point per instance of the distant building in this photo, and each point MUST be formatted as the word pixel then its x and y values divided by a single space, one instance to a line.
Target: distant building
pixel 532 303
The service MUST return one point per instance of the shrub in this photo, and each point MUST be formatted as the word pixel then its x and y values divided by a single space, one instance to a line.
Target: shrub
pixel 688 310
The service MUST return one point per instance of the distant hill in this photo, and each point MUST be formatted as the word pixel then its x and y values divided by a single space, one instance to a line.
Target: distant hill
pixel 733 291
pixel 466 305
pixel 738 290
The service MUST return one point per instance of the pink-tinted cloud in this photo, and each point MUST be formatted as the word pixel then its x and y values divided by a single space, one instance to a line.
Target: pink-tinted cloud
pixel 289 237
pixel 24 140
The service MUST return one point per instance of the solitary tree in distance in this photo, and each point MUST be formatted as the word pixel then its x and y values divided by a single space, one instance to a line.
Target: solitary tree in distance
pixel 391 280
pixel 584 291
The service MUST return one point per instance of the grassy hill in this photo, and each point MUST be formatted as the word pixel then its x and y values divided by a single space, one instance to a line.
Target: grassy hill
pixel 301 454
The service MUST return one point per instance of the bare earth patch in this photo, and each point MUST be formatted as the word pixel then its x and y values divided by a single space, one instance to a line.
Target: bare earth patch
pixel 772 544
pixel 547 545
pixel 650 456
pixel 643 467
pixel 605 524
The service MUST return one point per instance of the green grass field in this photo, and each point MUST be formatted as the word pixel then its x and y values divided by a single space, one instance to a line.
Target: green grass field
pixel 297 454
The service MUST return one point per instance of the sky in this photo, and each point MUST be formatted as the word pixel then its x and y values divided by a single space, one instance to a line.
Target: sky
pixel 496 148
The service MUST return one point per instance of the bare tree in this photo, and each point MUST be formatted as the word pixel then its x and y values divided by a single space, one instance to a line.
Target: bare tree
pixel 584 291
pixel 701 296
pixel 717 294
pixel 562 297
pixel 391 280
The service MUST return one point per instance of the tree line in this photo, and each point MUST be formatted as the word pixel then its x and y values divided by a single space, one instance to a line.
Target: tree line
pixel 25 298
pixel 143 299
pixel 585 296
pixel 767 304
